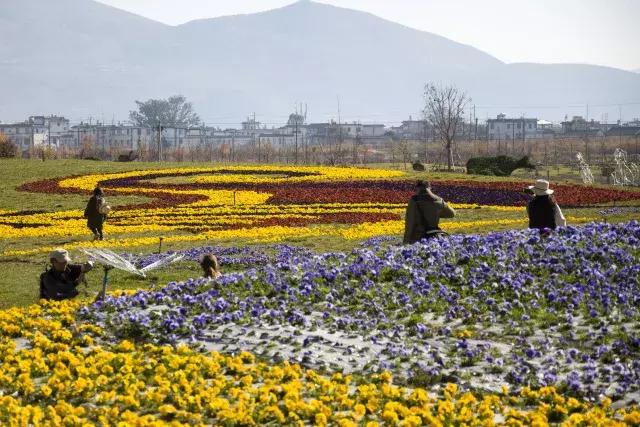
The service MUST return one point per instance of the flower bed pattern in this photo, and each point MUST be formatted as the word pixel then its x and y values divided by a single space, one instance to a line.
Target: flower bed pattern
pixel 269 203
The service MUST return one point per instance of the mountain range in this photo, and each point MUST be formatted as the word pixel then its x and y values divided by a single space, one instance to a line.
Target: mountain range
pixel 81 58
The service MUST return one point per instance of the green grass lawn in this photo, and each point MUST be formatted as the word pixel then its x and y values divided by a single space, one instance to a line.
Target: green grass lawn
pixel 19 275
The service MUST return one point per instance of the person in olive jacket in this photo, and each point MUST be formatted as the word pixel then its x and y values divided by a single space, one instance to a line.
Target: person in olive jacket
pixel 94 213
pixel 423 214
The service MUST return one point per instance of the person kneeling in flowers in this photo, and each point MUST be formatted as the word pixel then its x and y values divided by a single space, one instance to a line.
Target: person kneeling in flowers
pixel 210 267
pixel 543 210
pixel 423 214
pixel 61 280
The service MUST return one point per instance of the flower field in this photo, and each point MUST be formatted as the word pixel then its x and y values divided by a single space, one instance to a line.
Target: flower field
pixel 510 328
pixel 273 203
pixel 513 328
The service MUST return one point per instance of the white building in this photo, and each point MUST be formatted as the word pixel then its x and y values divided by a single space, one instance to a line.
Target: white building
pixel 503 128
pixel 373 131
pixel 413 129
pixel 105 137
pixel 35 131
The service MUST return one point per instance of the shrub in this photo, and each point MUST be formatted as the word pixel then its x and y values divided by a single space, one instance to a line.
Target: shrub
pixel 498 166
pixel 7 148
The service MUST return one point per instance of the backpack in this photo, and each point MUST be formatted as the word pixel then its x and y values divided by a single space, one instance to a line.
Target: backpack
pixel 104 208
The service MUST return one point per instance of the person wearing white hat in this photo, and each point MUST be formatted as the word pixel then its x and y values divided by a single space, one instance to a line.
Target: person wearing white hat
pixel 543 210
pixel 61 280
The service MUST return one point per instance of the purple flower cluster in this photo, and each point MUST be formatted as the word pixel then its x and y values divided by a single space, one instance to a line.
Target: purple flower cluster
pixel 619 210
pixel 522 307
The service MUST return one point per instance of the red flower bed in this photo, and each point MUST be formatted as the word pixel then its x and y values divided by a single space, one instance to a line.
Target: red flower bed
pixel 381 191
pixel 482 193
pixel 50 186
pixel 161 199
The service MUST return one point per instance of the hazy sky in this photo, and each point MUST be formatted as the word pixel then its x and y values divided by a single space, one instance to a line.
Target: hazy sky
pixel 602 32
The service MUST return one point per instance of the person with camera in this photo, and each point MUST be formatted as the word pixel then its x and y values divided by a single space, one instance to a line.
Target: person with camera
pixel 62 278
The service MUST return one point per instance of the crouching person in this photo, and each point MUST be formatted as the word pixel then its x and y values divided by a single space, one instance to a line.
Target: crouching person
pixel 422 217
pixel 61 280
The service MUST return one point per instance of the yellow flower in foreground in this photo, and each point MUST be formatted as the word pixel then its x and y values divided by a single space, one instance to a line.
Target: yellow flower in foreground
pixel 56 381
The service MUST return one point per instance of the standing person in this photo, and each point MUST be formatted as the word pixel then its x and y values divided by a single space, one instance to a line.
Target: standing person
pixel 423 214
pixel 210 266
pixel 60 281
pixel 543 210
pixel 96 213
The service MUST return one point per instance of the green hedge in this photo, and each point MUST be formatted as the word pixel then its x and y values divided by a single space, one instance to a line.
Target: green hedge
pixel 496 166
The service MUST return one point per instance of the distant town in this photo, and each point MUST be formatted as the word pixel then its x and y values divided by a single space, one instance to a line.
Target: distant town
pixel 300 142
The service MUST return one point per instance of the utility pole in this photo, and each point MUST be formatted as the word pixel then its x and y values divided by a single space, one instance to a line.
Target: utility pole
pixel 424 137
pixel 32 145
pixel 475 131
pixel 587 118
pixel 620 122
pixel 305 143
pixel 524 141
pixel 253 134
pixel 469 134
pixel 295 119
pixel 339 129
pixel 233 145
pixel 259 142
pixel 513 136
pixel 159 142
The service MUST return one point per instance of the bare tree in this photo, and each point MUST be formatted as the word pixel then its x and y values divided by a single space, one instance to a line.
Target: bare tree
pixel 87 148
pixel 444 110
pixel 403 145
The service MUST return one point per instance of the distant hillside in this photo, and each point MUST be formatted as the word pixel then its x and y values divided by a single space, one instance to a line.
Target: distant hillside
pixel 81 58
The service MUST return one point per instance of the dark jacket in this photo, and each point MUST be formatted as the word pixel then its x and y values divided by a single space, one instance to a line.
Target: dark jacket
pixel 92 213
pixel 57 285
pixel 541 210
pixel 423 214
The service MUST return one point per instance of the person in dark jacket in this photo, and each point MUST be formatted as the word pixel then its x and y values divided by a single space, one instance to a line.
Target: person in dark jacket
pixel 94 213
pixel 61 280
pixel 543 210
pixel 423 214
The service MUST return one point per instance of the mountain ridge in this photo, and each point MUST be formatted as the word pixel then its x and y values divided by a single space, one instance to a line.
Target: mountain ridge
pixel 94 58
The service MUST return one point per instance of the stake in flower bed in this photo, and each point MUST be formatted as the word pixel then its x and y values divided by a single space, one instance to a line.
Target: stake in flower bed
pixel 105 280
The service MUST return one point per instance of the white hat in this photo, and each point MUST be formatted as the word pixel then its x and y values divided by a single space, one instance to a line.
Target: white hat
pixel 541 188
pixel 60 255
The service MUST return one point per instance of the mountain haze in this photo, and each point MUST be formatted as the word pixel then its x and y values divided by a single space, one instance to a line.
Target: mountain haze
pixel 82 58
